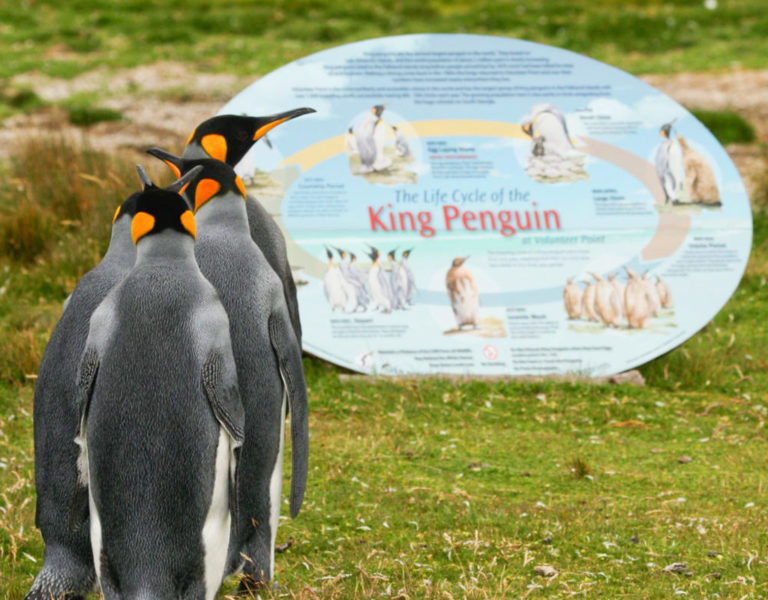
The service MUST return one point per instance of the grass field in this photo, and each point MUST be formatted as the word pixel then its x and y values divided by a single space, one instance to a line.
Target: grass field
pixel 427 489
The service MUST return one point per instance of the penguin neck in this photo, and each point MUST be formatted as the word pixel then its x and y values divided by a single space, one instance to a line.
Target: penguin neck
pixel 166 247
pixel 227 210
pixel 121 249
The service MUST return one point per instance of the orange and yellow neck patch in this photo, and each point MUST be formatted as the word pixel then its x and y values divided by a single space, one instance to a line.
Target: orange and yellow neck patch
pixel 141 225
pixel 188 222
pixel 206 189
pixel 240 185
pixel 117 214
pixel 215 146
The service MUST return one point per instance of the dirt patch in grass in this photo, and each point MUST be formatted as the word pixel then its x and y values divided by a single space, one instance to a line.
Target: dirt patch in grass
pixel 162 102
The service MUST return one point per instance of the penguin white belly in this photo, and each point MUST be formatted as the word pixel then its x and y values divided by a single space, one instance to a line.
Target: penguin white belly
pixel 96 540
pixel 379 138
pixel 275 485
pixel 218 520
pixel 334 289
pixel 467 304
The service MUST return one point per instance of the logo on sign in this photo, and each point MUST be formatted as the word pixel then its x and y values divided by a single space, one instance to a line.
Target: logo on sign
pixel 491 352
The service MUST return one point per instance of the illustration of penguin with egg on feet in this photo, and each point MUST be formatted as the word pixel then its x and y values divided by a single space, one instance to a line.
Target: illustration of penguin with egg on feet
pixel 68 564
pixel 268 359
pixel 228 138
pixel 369 140
pixel 160 414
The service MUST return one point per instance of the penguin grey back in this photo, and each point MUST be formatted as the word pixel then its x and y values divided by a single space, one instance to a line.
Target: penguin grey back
pixel 68 564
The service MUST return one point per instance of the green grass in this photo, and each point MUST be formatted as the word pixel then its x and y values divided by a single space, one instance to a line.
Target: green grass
pixel 439 490
pixel 64 39
pixel 727 126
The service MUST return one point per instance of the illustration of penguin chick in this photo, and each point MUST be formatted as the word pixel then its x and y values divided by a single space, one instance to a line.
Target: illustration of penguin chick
pixel 607 302
pixel 338 291
pixel 68 563
pixel 665 294
pixel 462 291
pixel 365 136
pixel 699 177
pixel 654 301
pixel 268 359
pixel 669 165
pixel 159 414
pixel 401 143
pixel 619 289
pixel 381 294
pixel 228 138
pixel 572 297
pixel 588 302
pixel 547 122
pixel 636 301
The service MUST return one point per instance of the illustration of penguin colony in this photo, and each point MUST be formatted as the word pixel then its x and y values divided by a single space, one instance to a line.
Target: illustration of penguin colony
pixel 614 304
pixel 161 399
pixel 381 287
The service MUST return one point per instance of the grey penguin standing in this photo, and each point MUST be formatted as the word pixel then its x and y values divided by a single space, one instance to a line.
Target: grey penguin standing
pixel 365 138
pixel 161 419
pixel 68 565
pixel 669 166
pixel 268 359
pixel 228 138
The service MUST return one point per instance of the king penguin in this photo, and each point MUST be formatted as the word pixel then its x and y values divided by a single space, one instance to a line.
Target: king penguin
pixel 365 136
pixel 67 565
pixel 160 416
pixel 268 358
pixel 228 138
pixel 462 291
pixel 669 166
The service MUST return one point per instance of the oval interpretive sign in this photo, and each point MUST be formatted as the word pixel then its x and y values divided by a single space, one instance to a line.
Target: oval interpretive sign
pixel 484 205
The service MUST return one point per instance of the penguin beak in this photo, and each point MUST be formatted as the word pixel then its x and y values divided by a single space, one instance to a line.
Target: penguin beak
pixel 268 123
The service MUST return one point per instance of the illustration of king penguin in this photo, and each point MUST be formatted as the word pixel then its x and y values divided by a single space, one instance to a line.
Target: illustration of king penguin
pixel 365 136
pixel 160 418
pixel 228 138
pixel 68 565
pixel 669 166
pixel 268 359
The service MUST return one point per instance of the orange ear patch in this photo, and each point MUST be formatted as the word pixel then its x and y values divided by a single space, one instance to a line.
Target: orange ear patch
pixel 174 168
pixel 141 225
pixel 206 189
pixel 191 135
pixel 265 128
pixel 215 145
pixel 188 222
pixel 117 214
pixel 240 185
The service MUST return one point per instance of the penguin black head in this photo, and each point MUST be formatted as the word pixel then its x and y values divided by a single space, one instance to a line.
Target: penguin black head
pixel 127 208
pixel 378 109
pixel 158 209
pixel 215 178
pixel 374 254
pixel 352 257
pixel 391 254
pixel 407 253
pixel 349 130
pixel 342 253
pixel 666 129
pixel 527 128
pixel 329 254
pixel 228 137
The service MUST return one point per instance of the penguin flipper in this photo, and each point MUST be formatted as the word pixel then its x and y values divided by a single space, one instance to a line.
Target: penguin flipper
pixel 86 377
pixel 288 353
pixel 224 397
